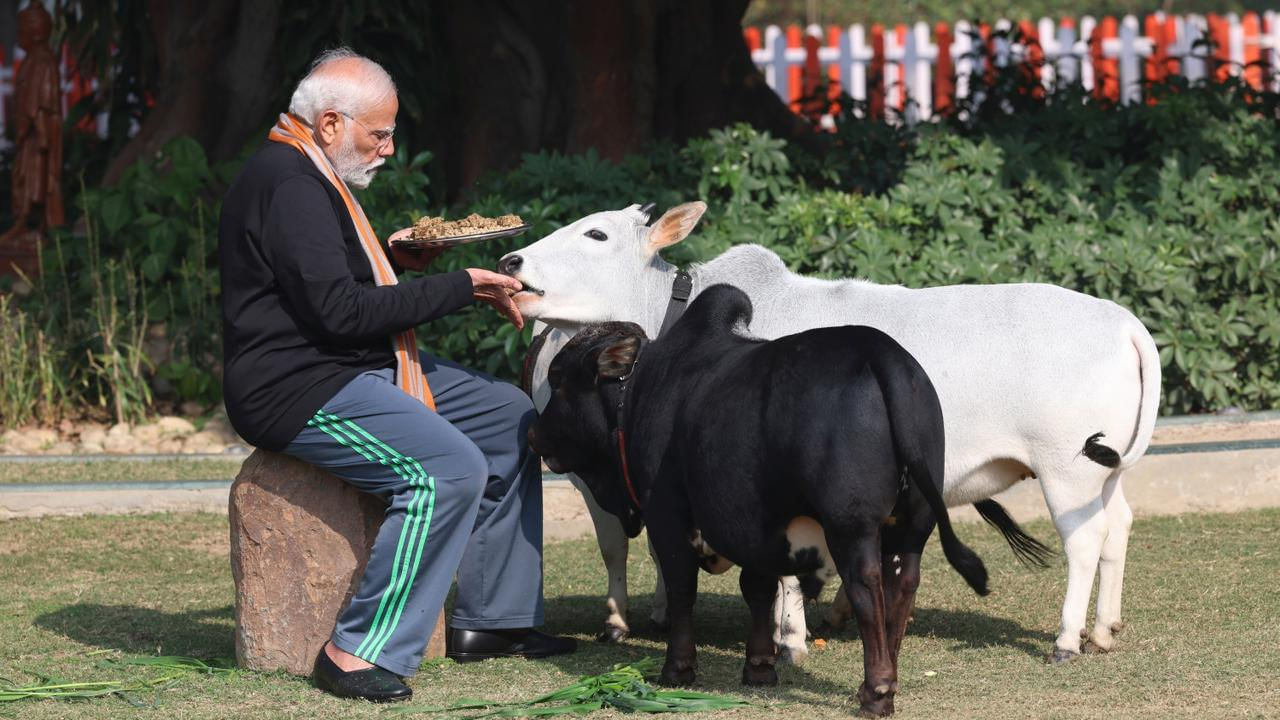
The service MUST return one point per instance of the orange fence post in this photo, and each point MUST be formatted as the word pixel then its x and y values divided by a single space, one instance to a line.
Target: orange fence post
pixel 989 55
pixel 1220 33
pixel 812 106
pixel 900 37
pixel 1160 66
pixel 834 86
pixel 1252 49
pixel 795 73
pixel 1106 79
pixel 944 75
pixel 1033 64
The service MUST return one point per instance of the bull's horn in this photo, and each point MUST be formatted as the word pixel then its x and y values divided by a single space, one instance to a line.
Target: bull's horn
pixel 647 208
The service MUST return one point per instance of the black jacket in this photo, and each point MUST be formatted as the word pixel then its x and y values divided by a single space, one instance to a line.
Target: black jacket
pixel 302 315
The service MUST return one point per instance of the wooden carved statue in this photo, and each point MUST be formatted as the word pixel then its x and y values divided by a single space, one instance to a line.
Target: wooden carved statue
pixel 37 167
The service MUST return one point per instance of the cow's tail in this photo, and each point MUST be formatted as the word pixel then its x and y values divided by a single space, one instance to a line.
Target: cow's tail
pixel 1149 402
pixel 915 420
pixel 965 561
pixel 1029 550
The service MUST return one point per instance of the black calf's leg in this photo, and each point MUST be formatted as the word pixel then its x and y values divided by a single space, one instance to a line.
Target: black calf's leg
pixel 759 592
pixel 679 567
pixel 858 559
pixel 904 579
pixel 902 545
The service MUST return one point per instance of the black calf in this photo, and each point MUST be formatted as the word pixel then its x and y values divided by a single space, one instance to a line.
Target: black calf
pixel 759 452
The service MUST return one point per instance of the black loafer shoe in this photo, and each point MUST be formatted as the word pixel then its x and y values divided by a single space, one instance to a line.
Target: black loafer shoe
pixel 373 684
pixel 470 645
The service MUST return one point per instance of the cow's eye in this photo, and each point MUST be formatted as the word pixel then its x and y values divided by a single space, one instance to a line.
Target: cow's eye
pixel 597 235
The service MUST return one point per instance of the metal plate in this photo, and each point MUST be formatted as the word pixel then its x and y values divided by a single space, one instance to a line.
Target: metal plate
pixel 463 239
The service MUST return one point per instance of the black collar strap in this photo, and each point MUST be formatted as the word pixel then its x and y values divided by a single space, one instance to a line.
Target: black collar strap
pixel 531 359
pixel 681 289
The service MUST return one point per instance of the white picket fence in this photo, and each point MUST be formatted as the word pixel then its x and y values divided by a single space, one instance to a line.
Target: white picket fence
pixel 913 70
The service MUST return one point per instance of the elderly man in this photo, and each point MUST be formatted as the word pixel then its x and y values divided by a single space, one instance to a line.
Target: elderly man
pixel 322 364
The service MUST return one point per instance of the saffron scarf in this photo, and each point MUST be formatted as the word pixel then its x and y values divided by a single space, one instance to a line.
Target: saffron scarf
pixel 291 130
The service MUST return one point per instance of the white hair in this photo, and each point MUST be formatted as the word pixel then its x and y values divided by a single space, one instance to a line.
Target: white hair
pixel 349 93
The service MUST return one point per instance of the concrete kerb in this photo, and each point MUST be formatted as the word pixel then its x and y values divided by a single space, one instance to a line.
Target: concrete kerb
pixel 1195 464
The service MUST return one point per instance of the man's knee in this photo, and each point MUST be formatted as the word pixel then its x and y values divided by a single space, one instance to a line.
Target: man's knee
pixel 472 471
pixel 517 404
pixel 516 410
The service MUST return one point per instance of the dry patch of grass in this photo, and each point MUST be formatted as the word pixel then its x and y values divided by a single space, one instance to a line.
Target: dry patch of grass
pixel 1203 636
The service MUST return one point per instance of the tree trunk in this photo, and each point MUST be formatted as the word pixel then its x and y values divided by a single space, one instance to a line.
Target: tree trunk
pixel 216 78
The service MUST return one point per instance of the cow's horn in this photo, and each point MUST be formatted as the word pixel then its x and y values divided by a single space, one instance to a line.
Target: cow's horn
pixel 647 208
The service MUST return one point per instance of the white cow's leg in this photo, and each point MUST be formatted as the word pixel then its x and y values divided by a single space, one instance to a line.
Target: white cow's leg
pixel 658 615
pixel 1075 503
pixel 1111 563
pixel 789 624
pixel 612 540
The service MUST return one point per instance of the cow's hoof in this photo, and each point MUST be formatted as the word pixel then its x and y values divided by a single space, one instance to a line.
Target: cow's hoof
pixel 792 656
pixel 1101 641
pixel 759 673
pixel 875 703
pixel 1116 627
pixel 612 635
pixel 1062 655
pixel 676 676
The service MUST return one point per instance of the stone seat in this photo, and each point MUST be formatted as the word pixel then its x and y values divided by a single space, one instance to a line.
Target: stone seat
pixel 300 538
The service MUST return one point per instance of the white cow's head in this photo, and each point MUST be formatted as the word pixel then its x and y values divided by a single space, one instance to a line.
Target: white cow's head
pixel 599 268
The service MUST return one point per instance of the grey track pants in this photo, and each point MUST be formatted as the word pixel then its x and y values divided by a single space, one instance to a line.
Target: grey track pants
pixel 465 496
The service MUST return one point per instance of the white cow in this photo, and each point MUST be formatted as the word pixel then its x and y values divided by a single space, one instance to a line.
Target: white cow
pixel 1036 381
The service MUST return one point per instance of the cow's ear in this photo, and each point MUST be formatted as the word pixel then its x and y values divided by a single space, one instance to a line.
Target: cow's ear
pixel 616 358
pixel 675 225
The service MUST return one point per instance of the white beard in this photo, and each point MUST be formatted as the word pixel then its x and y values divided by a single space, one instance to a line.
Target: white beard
pixel 354 171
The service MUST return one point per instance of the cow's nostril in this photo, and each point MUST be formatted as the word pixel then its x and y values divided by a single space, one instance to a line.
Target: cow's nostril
pixel 510 264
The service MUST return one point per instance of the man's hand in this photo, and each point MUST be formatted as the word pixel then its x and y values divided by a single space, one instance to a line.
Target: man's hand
pixel 496 290
pixel 411 258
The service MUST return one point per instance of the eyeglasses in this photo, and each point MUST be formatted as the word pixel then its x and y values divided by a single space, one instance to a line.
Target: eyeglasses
pixel 381 136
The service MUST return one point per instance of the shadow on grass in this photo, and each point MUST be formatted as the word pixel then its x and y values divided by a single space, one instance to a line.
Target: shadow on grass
pixel 136 630
pixel 971 630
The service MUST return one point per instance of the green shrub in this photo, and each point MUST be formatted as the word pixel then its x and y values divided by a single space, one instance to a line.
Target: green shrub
pixel 139 268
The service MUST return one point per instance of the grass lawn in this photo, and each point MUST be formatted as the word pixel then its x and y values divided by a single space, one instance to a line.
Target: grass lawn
pixel 116 471
pixel 1202 608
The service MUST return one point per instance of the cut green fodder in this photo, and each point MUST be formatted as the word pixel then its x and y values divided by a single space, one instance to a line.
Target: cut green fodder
pixel 171 667
pixel 624 688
